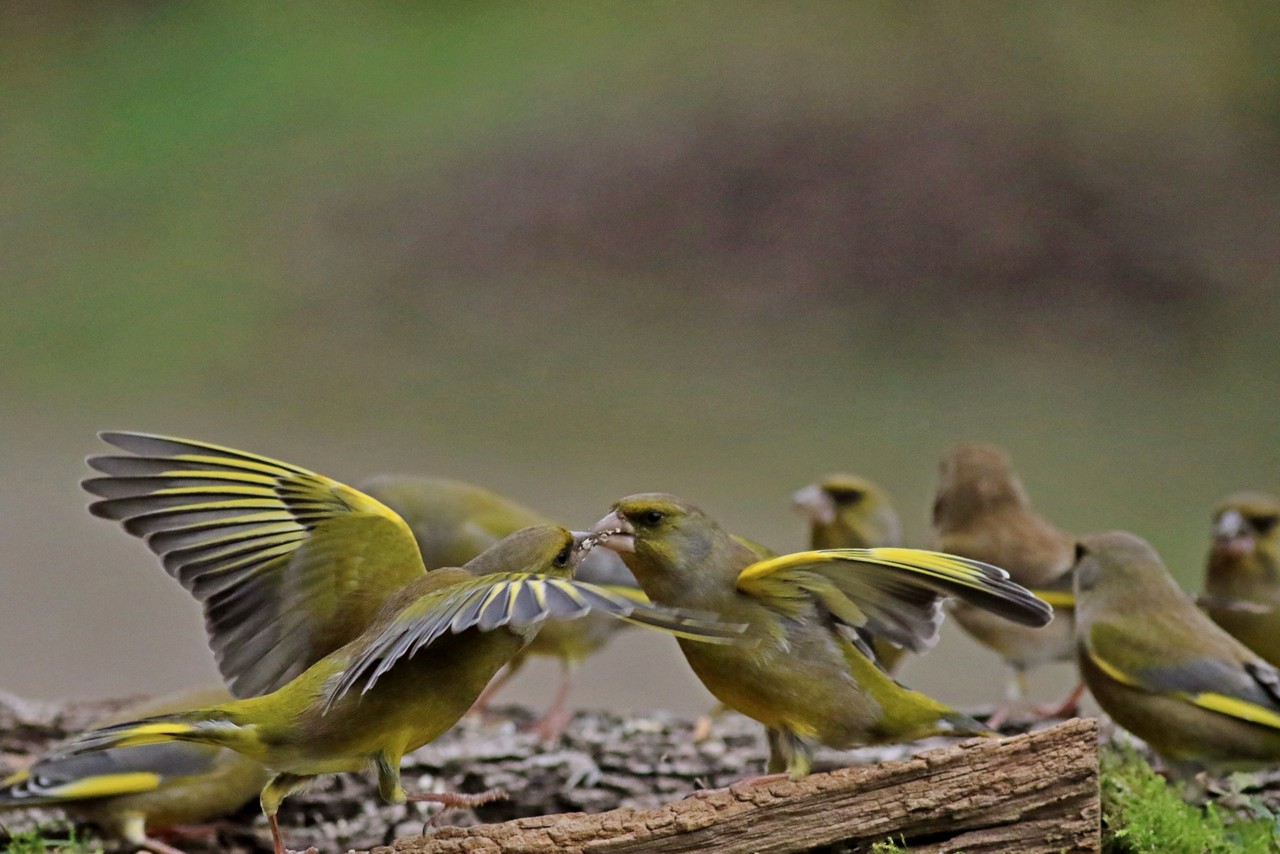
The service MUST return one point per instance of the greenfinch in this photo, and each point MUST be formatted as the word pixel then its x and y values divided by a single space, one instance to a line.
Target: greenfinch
pixel 803 671
pixel 1242 578
pixel 982 511
pixel 318 592
pixel 128 793
pixel 850 512
pixel 1162 669
pixel 454 521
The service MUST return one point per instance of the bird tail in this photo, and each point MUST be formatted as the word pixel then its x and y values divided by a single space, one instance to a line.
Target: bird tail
pixel 201 726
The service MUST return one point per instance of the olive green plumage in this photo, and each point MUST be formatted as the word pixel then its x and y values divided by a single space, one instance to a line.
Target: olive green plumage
pixel 454 521
pixel 1242 576
pixel 982 511
pixel 130 792
pixel 803 671
pixel 846 511
pixel 1162 669
pixel 318 593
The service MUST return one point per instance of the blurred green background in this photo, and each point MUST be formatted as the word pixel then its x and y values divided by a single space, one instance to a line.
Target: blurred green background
pixel 574 251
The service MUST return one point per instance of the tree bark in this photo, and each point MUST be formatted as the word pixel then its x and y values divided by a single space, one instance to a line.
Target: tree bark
pixel 1036 792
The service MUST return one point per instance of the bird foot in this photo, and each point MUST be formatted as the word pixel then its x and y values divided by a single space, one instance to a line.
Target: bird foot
pixel 1068 708
pixel 551 725
pixel 450 800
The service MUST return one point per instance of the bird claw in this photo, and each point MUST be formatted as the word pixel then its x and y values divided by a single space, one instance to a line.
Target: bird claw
pixel 451 800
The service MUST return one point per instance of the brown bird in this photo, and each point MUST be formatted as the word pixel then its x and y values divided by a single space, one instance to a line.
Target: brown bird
pixel 982 511
pixel 846 511
pixel 1242 578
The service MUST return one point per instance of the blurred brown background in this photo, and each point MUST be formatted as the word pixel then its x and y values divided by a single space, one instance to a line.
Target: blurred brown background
pixel 575 251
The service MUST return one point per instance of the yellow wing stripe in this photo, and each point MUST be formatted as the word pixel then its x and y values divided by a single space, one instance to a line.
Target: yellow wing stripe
pixel 1220 703
pixel 108 785
pixel 917 560
pixel 1236 708
pixel 15 778
pixel 1059 599
pixel 272 468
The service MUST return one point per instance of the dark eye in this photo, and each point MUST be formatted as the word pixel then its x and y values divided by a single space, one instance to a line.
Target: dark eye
pixel 652 517
pixel 563 558
pixel 1081 551
pixel 1264 524
pixel 846 495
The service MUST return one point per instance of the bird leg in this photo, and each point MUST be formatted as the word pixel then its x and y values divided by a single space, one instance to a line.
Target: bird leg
pixel 277 789
pixel 1014 697
pixel 551 723
pixel 1069 706
pixel 481 705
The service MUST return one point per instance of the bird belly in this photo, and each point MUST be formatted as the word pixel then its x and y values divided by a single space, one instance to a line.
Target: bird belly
pixel 1020 646
pixel 807 692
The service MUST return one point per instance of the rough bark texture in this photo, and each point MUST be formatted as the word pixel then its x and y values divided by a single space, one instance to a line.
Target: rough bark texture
pixel 1031 793
pixel 615 784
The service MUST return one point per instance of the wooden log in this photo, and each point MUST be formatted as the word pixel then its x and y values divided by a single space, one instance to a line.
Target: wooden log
pixel 1031 793
pixel 627 775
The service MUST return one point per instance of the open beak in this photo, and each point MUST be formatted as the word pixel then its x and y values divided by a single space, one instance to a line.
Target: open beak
pixel 616 533
pixel 583 542
pixel 813 502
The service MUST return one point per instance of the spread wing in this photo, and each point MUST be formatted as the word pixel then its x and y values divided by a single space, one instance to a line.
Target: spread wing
pixel 288 564
pixel 893 593
pixel 517 600
pixel 1248 689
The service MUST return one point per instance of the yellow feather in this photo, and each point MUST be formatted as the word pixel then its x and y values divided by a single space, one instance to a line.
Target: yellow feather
pixel 1236 708
pixel 109 785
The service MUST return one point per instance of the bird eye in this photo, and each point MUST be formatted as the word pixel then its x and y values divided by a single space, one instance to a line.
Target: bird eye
pixel 1081 551
pixel 563 558
pixel 652 517
pixel 846 495
pixel 1264 524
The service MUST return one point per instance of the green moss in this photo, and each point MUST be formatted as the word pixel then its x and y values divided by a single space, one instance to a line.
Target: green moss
pixel 1141 812
pixel 60 838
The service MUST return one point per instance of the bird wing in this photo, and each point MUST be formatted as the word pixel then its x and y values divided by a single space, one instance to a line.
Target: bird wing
pixel 894 593
pixel 516 600
pixel 1247 689
pixel 107 773
pixel 288 564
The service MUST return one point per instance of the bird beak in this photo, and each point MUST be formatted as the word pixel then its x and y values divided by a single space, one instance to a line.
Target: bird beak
pixel 1231 534
pixel 616 533
pixel 583 542
pixel 816 504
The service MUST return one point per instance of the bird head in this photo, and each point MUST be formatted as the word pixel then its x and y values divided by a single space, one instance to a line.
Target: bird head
pixel 974 477
pixel 547 549
pixel 856 506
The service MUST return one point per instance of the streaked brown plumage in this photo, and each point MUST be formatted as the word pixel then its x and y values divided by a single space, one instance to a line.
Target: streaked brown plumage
pixel 982 511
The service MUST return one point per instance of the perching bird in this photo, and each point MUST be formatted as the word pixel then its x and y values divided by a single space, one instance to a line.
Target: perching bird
pixel 850 512
pixel 454 521
pixel 1163 670
pixel 129 793
pixel 982 511
pixel 314 586
pixel 803 671
pixel 1242 579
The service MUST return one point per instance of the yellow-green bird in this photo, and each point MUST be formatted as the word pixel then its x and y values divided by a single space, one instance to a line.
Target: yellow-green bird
pixel 313 585
pixel 130 793
pixel 803 671
pixel 846 511
pixel 454 521
pixel 1242 578
pixel 1162 669
pixel 982 511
